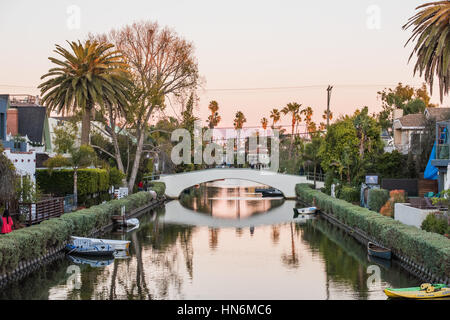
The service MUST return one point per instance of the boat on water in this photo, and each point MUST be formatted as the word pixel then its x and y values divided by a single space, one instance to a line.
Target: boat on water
pixel 89 249
pixel 270 192
pixel 310 210
pixel 378 251
pixel 114 244
pixel 425 291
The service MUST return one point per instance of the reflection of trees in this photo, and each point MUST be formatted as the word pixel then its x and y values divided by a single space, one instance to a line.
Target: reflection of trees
pixel 291 260
pixel 213 238
pixel 275 234
pixel 345 259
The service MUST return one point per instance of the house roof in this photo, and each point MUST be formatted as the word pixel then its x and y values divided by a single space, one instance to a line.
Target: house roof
pixel 439 114
pixel 412 120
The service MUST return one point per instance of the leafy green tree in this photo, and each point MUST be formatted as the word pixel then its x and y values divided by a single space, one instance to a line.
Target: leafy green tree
pixel 410 100
pixel 312 153
pixel 87 76
pixel 64 137
pixel 8 178
pixel 431 29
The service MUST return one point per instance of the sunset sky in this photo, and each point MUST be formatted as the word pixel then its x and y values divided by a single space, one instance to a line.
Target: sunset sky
pixel 283 50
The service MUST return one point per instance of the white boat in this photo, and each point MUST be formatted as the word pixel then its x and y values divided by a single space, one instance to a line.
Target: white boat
pixel 132 222
pixel 87 247
pixel 310 210
pixel 115 244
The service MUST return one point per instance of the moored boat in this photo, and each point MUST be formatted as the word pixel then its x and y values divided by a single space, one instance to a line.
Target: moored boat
pixel 378 251
pixel 89 248
pixel 115 244
pixel 310 210
pixel 425 291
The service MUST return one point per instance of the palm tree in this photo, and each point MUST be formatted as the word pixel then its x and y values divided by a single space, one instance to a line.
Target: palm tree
pixel 275 116
pixel 91 74
pixel 264 123
pixel 239 120
pixel 294 109
pixel 214 117
pixel 432 28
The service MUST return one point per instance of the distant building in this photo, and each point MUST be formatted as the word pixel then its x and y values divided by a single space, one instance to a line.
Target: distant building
pixel 24 131
pixel 408 130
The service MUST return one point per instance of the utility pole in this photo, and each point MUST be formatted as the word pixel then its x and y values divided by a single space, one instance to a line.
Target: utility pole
pixel 328 105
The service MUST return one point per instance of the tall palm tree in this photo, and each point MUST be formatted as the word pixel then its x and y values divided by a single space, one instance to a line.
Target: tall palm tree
pixel 264 123
pixel 275 116
pixel 91 74
pixel 239 120
pixel 214 117
pixel 432 28
pixel 294 109
pixel 308 112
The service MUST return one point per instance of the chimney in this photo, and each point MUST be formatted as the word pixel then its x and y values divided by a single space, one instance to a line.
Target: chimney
pixel 398 113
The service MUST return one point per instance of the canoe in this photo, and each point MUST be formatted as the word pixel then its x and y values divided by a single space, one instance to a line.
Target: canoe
pixel 269 192
pixel 440 291
pixel 378 251
pixel 115 244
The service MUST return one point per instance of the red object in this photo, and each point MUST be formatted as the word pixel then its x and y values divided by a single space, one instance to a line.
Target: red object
pixel 140 185
pixel 7 225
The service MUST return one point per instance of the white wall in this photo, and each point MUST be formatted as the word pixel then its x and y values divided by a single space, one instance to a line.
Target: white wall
pixel 24 162
pixel 409 215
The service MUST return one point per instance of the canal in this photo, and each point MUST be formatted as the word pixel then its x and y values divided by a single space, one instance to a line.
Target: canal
pixel 222 240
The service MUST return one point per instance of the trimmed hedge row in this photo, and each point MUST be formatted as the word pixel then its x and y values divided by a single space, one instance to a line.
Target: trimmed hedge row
pixel 31 242
pixel 428 249
pixel 159 187
pixel 60 182
pixel 377 199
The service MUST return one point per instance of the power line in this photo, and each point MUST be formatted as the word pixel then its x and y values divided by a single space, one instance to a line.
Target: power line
pixel 302 87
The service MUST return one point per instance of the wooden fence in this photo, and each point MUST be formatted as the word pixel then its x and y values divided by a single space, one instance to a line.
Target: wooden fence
pixel 42 210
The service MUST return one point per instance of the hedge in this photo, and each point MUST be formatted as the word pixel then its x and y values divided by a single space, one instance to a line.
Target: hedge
pixel 159 187
pixel 429 249
pixel 377 199
pixel 29 243
pixel 349 194
pixel 60 182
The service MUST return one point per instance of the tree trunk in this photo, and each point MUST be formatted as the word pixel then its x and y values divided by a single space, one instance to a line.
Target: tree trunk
pixel 86 126
pixel 137 161
pixel 315 170
pixel 75 187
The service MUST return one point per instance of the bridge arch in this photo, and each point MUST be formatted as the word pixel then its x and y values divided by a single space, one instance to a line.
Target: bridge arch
pixel 176 183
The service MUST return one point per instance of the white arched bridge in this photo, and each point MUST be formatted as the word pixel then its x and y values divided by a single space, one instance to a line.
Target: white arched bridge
pixel 176 183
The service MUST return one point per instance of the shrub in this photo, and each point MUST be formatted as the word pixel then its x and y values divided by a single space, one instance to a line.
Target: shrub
pixel 60 182
pixel 377 198
pixel 434 223
pixel 159 187
pixel 429 249
pixel 349 194
pixel 115 177
pixel 396 196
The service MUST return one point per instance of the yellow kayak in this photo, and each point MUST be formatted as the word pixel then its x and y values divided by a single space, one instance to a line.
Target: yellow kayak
pixel 425 291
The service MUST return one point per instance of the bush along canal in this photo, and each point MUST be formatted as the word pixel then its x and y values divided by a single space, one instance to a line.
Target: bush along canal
pixel 424 254
pixel 26 250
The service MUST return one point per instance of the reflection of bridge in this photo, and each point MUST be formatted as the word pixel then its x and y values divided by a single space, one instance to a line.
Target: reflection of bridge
pixel 178 214
pixel 176 183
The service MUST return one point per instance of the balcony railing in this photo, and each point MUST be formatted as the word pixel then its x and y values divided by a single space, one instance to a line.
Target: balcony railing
pixel 442 151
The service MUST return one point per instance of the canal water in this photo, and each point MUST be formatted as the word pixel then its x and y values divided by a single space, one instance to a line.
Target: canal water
pixel 222 240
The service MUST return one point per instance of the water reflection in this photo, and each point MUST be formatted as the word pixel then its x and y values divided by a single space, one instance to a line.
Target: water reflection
pixel 228 199
pixel 178 253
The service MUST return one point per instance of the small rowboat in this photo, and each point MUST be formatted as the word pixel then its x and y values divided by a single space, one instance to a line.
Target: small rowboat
pixel 310 210
pixel 425 291
pixel 115 244
pixel 378 251
pixel 89 248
